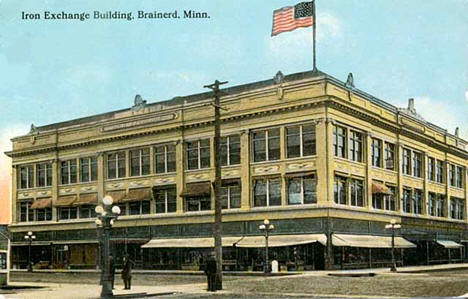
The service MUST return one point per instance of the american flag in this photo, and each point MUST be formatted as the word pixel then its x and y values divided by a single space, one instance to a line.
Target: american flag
pixel 291 17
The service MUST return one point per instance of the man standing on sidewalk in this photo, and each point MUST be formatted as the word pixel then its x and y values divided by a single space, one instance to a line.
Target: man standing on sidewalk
pixel 210 271
pixel 127 273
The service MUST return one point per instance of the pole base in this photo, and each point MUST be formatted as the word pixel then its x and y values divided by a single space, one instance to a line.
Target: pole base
pixel 393 269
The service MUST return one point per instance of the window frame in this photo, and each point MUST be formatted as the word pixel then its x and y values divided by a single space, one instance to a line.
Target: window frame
pixel 389 155
pixel 301 143
pixel 267 140
pixel 47 176
pixel 29 179
pixel 268 182
pixel 92 165
pixel 354 186
pixel 226 142
pixel 355 139
pixel 120 157
pixel 165 156
pixel 376 152
pixel 336 137
pixel 338 190
pixel 229 199
pixel 140 155
pixel 166 190
pixel 302 193
pixel 199 149
pixel 72 176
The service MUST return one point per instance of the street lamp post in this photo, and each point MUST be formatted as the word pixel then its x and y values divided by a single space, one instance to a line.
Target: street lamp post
pixel 106 215
pixel 393 226
pixel 30 238
pixel 266 227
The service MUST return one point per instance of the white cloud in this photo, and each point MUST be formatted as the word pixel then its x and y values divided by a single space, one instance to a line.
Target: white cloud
pixel 299 41
pixel 438 113
pixel 466 96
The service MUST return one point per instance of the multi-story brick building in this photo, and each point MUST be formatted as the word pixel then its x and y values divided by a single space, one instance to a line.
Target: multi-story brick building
pixel 328 164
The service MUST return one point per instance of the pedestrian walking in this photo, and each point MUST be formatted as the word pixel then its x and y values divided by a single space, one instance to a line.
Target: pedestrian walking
pixel 210 271
pixel 112 270
pixel 127 273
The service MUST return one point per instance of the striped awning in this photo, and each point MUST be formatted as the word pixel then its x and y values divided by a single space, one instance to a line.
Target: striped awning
pixel 281 240
pixel 42 203
pixel 65 201
pixel 117 196
pixel 86 199
pixel 370 241
pixel 138 194
pixel 197 189
pixel 378 188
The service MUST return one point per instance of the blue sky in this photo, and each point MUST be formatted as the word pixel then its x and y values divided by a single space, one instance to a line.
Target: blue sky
pixel 53 71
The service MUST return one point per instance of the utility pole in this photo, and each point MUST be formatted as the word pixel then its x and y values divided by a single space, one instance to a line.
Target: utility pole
pixel 217 185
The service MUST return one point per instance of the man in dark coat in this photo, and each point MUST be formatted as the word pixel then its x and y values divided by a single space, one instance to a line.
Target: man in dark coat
pixel 112 270
pixel 127 273
pixel 210 271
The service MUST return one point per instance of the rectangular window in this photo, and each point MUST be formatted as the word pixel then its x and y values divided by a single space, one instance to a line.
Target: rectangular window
pixel 267 192
pixel 26 177
pixel 116 165
pixel 302 190
pixel 44 214
pixel 389 156
pixel 355 146
pixel 406 204
pixel 439 207
pixel 231 195
pixel 230 150
pixel 164 158
pixel 357 191
pixel 459 177
pixel 26 214
pixel 88 169
pixel 300 141
pixel 439 172
pixel 139 207
pixel 376 152
pixel 390 199
pixel 266 145
pixel 417 164
pixel 43 174
pixel 165 199
pixel 339 141
pixel 457 207
pixel 67 213
pixel 339 190
pixel 417 201
pixel 68 170
pixel 87 211
pixel 406 162
pixel 452 174
pixel 431 169
pixel 140 162
pixel 198 154
pixel 198 203
pixel 431 204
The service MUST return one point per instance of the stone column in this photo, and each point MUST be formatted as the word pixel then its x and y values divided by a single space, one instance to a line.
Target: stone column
pixel 425 188
pixel 245 170
pixel 398 158
pixel 445 208
pixel 324 137
pixel 282 158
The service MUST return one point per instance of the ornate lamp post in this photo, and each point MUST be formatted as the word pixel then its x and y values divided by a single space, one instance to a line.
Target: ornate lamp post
pixel 106 215
pixel 30 238
pixel 266 227
pixel 393 226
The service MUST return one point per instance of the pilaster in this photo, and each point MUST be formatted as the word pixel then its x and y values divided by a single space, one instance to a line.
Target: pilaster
pixel 368 160
pixel 447 187
pixel 245 170
pixel 14 199
pixel 55 190
pixel 398 157
pixel 324 137
pixel 425 189
pixel 100 176
pixel 180 168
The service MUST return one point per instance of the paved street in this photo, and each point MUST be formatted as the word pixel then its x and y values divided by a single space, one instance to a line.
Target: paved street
pixel 438 283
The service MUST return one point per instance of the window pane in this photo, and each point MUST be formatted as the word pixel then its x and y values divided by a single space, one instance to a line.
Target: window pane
pixel 205 203
pixel 259 146
pixel 294 191
pixel 171 158
pixel 134 208
pixel 260 193
pixel 145 161
pixel 135 162
pixel 224 197
pixel 159 159
pixel 308 140
pixel 171 199
pixel 205 153
pixel 64 172
pixel 145 206
pixel 111 169
pixel 293 142
pixel 310 190
pixel 192 155
pixel 84 169
pixel 223 159
pixel 193 204
pixel 121 165
pixel 235 196
pixel 234 150
pixel 73 170
pixel 274 192
pixel 273 144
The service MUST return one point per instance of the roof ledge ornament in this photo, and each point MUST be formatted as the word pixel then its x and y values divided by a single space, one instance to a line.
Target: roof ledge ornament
pixel 411 110
pixel 350 81
pixel 33 130
pixel 139 103
pixel 279 77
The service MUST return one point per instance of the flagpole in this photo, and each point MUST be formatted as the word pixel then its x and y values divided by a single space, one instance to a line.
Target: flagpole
pixel 313 32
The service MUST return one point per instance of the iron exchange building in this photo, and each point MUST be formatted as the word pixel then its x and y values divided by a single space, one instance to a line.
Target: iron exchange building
pixel 328 165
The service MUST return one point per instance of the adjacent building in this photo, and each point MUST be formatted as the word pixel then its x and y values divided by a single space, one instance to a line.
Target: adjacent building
pixel 329 165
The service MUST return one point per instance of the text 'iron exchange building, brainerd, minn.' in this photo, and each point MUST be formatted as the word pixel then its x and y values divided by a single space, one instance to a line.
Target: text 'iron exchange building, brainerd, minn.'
pixel 328 165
